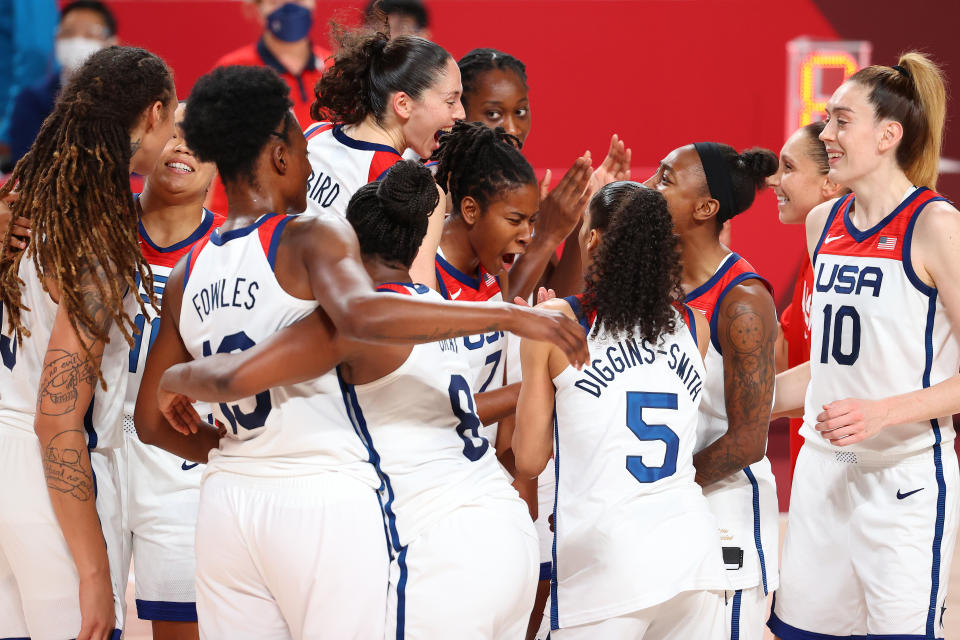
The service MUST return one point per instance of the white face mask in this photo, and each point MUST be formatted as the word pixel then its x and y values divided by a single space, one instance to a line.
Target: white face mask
pixel 71 53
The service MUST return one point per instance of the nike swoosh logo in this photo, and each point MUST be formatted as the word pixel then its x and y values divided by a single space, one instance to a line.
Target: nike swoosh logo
pixel 901 496
pixel 454 296
pixel 187 467
pixel 830 239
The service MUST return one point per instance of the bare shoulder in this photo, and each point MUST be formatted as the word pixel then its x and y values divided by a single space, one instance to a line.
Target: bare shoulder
pixel 816 220
pixel 558 304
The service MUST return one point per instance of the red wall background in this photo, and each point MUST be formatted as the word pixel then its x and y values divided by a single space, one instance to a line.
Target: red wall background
pixel 661 73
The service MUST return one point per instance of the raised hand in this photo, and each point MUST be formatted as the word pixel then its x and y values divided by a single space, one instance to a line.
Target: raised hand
pixel 20 232
pixel 616 166
pixel 562 208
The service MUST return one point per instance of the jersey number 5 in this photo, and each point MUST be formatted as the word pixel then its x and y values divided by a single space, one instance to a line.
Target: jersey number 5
pixel 240 341
pixel 636 403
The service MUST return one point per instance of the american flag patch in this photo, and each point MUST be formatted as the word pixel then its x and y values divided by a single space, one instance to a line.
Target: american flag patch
pixel 489 279
pixel 887 242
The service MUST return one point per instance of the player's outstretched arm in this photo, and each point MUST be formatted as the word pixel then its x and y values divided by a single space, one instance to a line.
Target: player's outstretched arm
pixel 424 268
pixel 168 349
pixel 560 211
pixel 533 431
pixel 67 385
pixel 935 251
pixel 303 351
pixel 343 288
pixel 746 329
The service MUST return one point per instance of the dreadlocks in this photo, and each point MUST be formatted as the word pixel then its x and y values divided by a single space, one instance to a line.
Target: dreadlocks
pixel 74 186
pixel 480 162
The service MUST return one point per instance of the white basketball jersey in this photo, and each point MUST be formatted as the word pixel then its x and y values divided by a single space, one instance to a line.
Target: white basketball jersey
pixel 745 502
pixel 231 301
pixel 631 527
pixel 878 330
pixel 162 260
pixel 341 165
pixel 421 424
pixel 23 365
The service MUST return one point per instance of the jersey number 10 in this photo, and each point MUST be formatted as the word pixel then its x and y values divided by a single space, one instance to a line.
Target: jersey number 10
pixel 838 323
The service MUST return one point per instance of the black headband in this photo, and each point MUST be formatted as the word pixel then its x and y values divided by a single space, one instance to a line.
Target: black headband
pixel 717 170
pixel 902 71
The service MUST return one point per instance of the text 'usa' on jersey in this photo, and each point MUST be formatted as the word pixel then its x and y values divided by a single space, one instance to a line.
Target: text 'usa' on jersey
pixel 162 260
pixel 484 352
pixel 877 329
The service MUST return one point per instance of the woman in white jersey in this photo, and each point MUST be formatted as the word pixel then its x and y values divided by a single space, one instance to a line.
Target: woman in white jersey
pixel 464 550
pixel 380 98
pixel 873 509
pixel 65 346
pixel 706 184
pixel 289 535
pixel 636 550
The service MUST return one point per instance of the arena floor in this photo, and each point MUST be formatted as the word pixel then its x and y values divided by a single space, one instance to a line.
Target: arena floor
pixel 140 630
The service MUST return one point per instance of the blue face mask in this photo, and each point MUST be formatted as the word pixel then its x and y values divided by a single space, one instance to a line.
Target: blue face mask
pixel 291 22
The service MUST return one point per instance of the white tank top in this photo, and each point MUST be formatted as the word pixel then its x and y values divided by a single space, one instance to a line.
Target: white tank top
pixel 231 301
pixel 878 330
pixel 627 506
pixel 162 260
pixel 744 502
pixel 23 365
pixel 341 165
pixel 420 421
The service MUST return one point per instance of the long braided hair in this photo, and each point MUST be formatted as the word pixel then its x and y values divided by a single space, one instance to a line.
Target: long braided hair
pixel 74 186
pixel 480 162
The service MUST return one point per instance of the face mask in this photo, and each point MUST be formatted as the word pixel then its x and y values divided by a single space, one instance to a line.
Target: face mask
pixel 291 22
pixel 71 53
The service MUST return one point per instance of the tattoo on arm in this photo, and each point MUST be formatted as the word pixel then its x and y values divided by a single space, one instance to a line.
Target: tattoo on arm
pixel 749 371
pixel 60 380
pixel 66 465
pixel 92 303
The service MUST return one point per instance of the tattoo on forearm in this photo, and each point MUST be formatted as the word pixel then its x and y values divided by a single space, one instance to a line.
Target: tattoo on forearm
pixel 61 379
pixel 749 372
pixel 66 465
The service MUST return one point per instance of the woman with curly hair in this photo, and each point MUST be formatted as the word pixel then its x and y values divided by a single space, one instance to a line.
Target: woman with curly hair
pixel 636 550
pixel 67 328
pixel 289 534
pixel 705 185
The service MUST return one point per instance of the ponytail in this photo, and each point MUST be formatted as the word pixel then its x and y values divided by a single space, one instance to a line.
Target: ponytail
pixel 368 68
pixel 915 96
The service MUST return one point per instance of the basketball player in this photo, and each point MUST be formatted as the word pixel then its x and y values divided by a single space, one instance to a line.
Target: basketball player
pixel 65 347
pixel 874 496
pixel 707 184
pixel 636 553
pixel 409 90
pixel 162 490
pixel 800 183
pixel 442 489
pixel 289 456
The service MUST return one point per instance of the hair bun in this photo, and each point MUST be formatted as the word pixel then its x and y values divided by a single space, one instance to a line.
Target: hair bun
pixel 759 163
pixel 408 192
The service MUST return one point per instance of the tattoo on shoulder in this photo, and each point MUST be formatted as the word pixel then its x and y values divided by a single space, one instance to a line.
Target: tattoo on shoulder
pixel 60 380
pixel 92 301
pixel 66 465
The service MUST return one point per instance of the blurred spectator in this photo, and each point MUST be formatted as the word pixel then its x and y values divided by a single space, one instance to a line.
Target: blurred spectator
pixel 405 17
pixel 26 42
pixel 86 26
pixel 286 48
